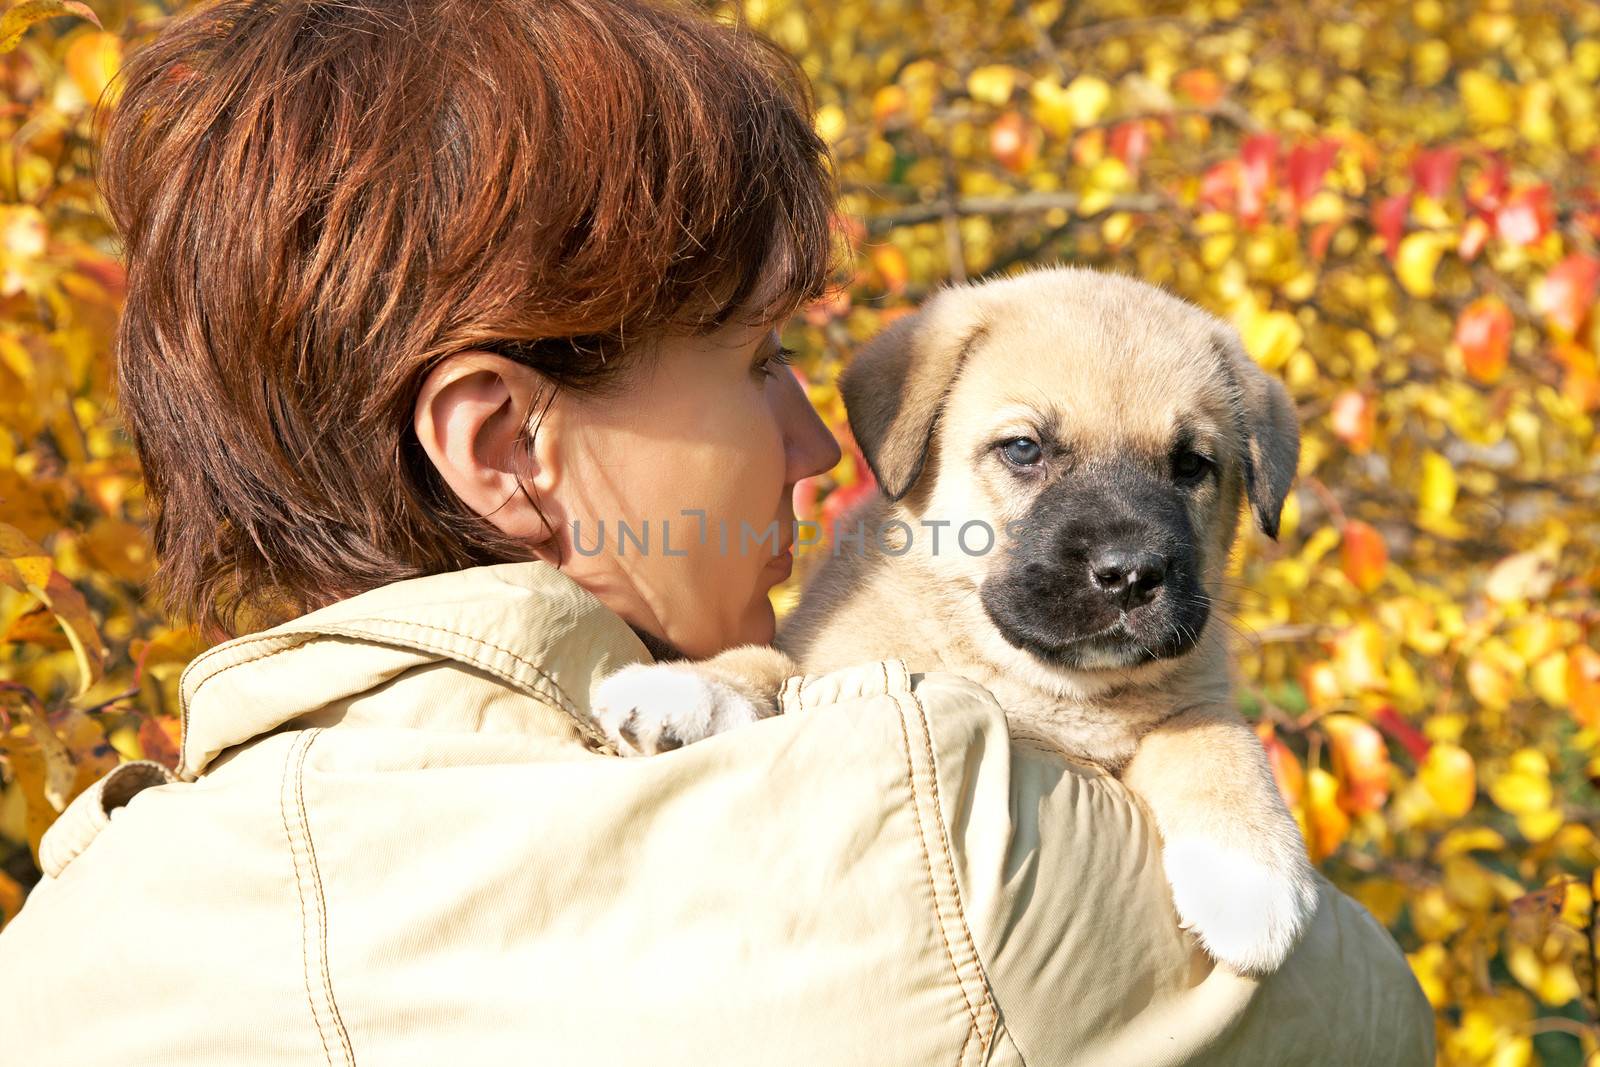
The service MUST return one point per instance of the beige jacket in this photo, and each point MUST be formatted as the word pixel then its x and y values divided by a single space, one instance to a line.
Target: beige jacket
pixel 395 839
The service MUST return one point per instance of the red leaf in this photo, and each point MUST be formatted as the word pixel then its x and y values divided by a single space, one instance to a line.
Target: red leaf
pixel 1321 237
pixel 1434 171
pixel 1219 186
pixel 1403 733
pixel 1389 219
pixel 1307 166
pixel 1130 142
pixel 1259 159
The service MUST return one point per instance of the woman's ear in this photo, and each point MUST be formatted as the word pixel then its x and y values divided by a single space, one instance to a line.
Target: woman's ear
pixel 470 418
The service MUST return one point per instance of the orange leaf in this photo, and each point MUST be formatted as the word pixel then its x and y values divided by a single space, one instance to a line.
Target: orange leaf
pixel 1363 555
pixel 892 266
pixel 1583 685
pixel 1014 142
pixel 1286 770
pixel 1483 333
pixel 1201 85
pixel 1526 216
pixel 1566 293
pixel 1360 762
pixel 160 741
pixel 37 626
pixel 1355 420
pixel 92 60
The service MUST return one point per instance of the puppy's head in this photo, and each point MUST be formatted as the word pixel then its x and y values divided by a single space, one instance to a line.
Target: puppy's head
pixel 1104 430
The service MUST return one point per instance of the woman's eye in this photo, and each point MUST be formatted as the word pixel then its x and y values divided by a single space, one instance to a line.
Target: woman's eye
pixel 783 357
pixel 1021 451
pixel 1189 465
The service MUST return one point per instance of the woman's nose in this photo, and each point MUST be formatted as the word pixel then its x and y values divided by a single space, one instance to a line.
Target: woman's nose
pixel 809 444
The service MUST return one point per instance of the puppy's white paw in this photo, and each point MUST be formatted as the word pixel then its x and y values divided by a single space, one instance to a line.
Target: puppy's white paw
pixel 1246 913
pixel 649 708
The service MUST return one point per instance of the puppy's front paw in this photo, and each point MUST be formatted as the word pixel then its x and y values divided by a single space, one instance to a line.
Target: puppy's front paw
pixel 649 708
pixel 1246 913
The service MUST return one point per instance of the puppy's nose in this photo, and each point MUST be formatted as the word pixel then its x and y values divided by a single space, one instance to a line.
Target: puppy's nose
pixel 1128 576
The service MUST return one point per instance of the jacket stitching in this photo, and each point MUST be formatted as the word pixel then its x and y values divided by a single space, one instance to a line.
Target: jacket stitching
pixel 944 836
pixel 563 702
pixel 297 756
pixel 299 888
pixel 567 703
pixel 351 630
pixel 322 900
pixel 185 698
pixel 927 866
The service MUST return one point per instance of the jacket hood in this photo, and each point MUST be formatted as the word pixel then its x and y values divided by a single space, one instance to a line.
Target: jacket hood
pixel 525 627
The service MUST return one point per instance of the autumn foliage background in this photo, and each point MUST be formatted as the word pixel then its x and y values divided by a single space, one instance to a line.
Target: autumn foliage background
pixel 1397 203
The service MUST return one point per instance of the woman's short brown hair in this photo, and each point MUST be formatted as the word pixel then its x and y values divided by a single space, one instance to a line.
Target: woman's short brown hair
pixel 319 199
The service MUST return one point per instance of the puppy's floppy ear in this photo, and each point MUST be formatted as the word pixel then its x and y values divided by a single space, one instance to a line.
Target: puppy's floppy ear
pixel 896 385
pixel 1271 430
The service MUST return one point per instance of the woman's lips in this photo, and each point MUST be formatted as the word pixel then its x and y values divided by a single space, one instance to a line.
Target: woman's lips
pixel 783 563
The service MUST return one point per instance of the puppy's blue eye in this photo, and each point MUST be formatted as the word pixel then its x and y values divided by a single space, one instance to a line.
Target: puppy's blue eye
pixel 1022 451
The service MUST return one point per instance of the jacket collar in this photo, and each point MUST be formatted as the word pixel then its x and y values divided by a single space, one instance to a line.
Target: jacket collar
pixel 527 627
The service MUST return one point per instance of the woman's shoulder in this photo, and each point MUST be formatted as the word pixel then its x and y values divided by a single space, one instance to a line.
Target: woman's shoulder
pixel 1055 882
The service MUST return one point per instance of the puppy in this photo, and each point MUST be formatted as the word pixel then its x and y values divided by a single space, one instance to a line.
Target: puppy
pixel 1105 434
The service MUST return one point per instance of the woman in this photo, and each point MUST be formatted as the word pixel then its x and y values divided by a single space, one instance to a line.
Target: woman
pixel 419 290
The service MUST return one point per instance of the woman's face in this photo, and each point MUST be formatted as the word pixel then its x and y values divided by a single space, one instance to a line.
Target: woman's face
pixel 673 501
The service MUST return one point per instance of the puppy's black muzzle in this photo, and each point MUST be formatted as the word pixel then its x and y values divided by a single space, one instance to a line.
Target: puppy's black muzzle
pixel 1106 574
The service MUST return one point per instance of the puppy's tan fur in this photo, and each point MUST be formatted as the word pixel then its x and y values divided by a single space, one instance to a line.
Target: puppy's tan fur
pixel 1113 366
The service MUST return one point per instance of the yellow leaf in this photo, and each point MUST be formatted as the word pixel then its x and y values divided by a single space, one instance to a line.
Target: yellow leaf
pixel 1548 679
pixel 1271 337
pixel 1535 122
pixel 831 122
pixel 1052 106
pixel 1449 775
pixel 1520 793
pixel 1550 979
pixel 992 84
pixel 1359 653
pixel 1104 181
pixel 1540 825
pixel 1430 964
pixel 1488 101
pixel 1492 675
pixel 1416 262
pixel 22 562
pixel 1328 822
pixel 1437 494
pixel 1467 839
pixel 17 20
pixel 1087 98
